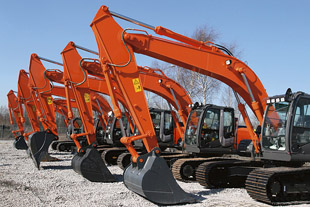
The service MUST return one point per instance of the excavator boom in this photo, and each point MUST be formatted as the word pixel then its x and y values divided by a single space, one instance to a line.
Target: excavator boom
pixel 39 142
pixel 13 106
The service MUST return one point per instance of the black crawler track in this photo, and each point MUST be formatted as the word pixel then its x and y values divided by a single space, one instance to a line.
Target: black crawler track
pixel 110 155
pixel 185 169
pixel 224 174
pixel 124 160
pixel 280 185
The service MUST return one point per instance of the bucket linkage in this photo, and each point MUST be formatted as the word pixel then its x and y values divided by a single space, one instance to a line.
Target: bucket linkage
pixel 153 180
pixel 89 164
pixel 39 143
pixel 20 143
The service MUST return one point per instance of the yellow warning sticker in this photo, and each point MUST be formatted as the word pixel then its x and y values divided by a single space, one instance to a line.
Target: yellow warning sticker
pixel 86 97
pixel 19 115
pixel 49 100
pixel 33 108
pixel 136 84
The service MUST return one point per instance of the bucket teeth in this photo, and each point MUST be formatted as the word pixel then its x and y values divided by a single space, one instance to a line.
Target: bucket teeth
pixel 20 143
pixel 91 166
pixel 39 143
pixel 153 180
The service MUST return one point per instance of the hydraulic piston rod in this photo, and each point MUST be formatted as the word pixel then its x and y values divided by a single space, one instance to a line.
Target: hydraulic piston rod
pixel 51 61
pixel 132 20
pixel 86 49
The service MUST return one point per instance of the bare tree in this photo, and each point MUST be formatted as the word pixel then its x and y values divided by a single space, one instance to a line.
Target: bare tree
pixel 4 116
pixel 203 83
pixel 199 87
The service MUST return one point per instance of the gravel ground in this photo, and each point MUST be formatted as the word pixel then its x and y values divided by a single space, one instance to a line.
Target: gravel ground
pixel 56 184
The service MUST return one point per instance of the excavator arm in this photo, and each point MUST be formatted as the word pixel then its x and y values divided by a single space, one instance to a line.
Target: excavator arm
pixel 25 97
pixel 42 89
pixel 14 108
pixel 38 141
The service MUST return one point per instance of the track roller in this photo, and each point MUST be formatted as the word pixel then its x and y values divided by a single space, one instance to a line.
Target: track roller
pixel 110 155
pixel 65 146
pixel 123 160
pixel 54 145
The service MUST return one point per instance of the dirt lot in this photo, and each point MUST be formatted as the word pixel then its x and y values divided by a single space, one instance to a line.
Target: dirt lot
pixel 56 184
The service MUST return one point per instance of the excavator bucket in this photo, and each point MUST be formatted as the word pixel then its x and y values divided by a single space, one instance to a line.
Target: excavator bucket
pixel 91 166
pixel 20 143
pixel 39 143
pixel 153 180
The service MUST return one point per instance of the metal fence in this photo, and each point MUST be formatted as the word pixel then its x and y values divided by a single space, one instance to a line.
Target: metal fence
pixel 6 131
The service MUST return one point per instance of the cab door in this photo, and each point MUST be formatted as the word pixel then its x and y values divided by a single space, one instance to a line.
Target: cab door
pixel 227 127
pixel 192 131
pixel 210 128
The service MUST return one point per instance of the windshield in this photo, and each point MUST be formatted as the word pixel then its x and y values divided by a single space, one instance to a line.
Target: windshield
pixel 156 116
pixel 168 129
pixel 191 128
pixel 274 126
pixel 301 127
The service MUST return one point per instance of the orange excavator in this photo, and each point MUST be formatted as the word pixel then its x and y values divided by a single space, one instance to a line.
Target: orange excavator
pixel 279 182
pixel 40 80
pixel 73 75
pixel 14 108
pixel 157 83
pixel 24 98
pixel 39 142
pixel 30 102
pixel 166 88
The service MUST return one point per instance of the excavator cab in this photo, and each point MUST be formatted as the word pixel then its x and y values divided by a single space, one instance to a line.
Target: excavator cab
pixel 113 132
pixel 100 131
pixel 164 128
pixel 209 127
pixel 75 127
pixel 286 128
pixel 163 125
